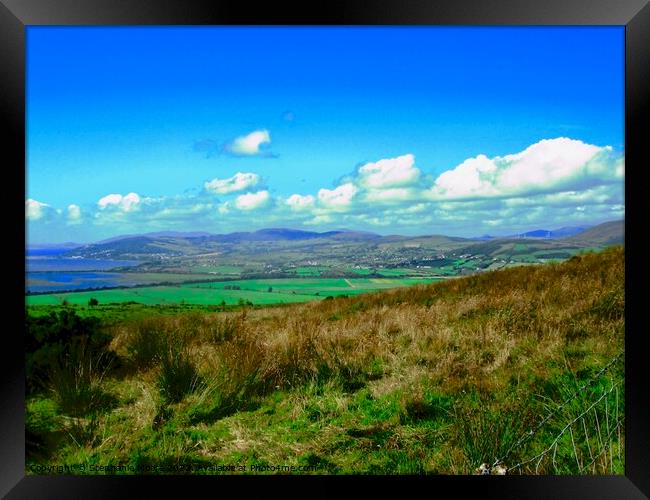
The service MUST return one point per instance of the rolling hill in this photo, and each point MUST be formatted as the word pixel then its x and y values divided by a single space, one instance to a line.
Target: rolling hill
pixel 278 250
pixel 608 233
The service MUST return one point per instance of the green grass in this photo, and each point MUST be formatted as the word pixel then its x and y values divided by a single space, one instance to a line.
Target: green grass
pixel 290 290
pixel 361 272
pixel 311 286
pixel 310 270
pixel 395 272
pixel 385 272
pixel 168 295
pixel 121 311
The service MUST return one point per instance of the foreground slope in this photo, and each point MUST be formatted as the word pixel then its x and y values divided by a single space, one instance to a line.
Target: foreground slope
pixel 434 378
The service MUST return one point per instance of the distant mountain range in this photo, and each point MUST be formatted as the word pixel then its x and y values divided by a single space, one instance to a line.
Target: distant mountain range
pixel 260 235
pixel 563 232
pixel 281 234
pixel 164 244
pixel 280 252
pixel 170 234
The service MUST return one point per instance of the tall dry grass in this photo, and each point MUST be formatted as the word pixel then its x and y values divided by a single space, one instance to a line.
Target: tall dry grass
pixel 484 332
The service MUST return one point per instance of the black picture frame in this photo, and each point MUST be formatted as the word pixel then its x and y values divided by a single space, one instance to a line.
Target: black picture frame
pixel 15 15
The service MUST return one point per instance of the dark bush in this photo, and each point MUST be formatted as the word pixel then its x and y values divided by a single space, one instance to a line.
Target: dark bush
pixel 49 340
pixel 75 382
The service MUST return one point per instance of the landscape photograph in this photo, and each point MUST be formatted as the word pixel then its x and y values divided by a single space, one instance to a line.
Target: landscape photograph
pixel 325 250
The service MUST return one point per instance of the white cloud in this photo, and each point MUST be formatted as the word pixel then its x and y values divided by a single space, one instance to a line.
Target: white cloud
pixel 620 168
pixel 416 209
pixel 238 182
pixel 391 195
pixel 320 219
pixel 549 165
pixel 375 221
pixel 298 202
pixel 389 173
pixel 249 145
pixel 109 199
pixel 74 213
pixel 251 201
pixel 339 198
pixel 181 211
pixel 126 203
pixel 547 185
pixel 594 196
pixel 547 162
pixel 473 176
pixel 388 181
pixel 35 210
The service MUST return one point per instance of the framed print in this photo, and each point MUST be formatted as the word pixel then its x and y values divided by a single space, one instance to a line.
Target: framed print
pixel 368 244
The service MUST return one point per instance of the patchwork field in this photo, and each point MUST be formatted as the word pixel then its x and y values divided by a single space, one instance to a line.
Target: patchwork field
pixel 265 291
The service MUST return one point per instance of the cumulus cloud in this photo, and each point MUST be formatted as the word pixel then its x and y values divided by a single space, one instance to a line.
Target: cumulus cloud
pixel 252 201
pixel 238 182
pixel 249 144
pixel 180 211
pixel 319 220
pixel 299 202
pixel 550 165
pixel 339 198
pixel 126 203
pixel 74 214
pixel 392 195
pixel 543 183
pixel 389 173
pixel 35 210
pixel 607 194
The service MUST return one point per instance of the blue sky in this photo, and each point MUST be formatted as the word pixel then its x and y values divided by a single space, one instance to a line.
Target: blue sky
pixel 410 130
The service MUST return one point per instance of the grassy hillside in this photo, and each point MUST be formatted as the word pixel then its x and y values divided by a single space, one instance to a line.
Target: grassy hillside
pixel 608 233
pixel 434 378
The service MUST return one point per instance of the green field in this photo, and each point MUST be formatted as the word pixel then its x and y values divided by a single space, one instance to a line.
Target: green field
pixel 310 270
pixel 396 272
pixel 168 295
pixel 255 291
pixel 312 286
pixel 362 271
pixel 227 270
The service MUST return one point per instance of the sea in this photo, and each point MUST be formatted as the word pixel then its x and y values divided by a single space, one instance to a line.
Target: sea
pixel 47 271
